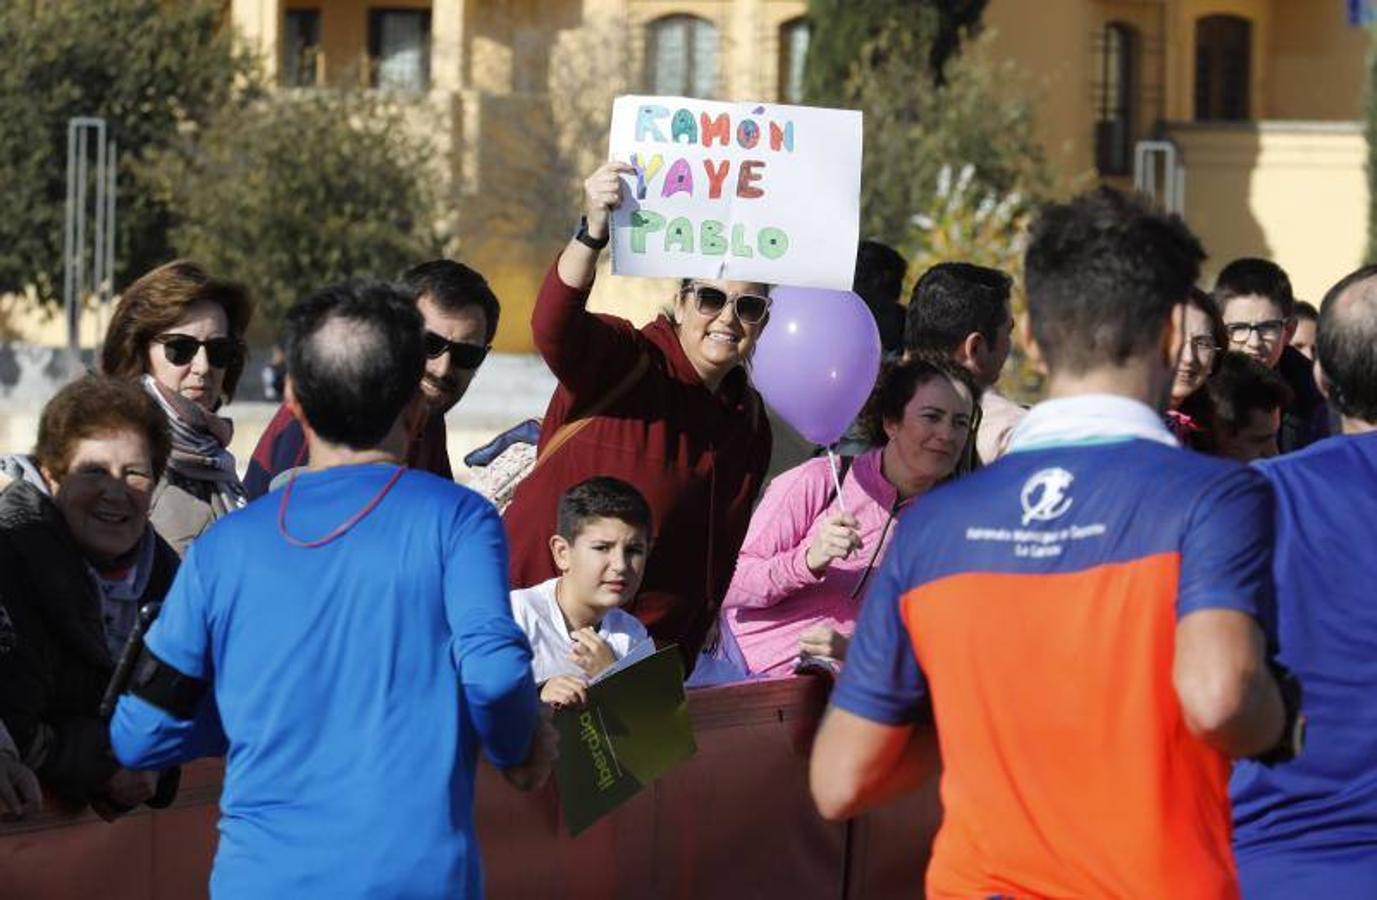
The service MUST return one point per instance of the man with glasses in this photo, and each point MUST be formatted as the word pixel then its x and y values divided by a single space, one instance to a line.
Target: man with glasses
pixel 461 314
pixel 1254 296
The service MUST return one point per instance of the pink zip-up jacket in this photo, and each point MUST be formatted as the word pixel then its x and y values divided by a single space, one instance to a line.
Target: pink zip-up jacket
pixel 774 597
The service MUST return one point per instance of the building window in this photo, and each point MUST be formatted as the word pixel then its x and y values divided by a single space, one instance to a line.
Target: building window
pixel 1115 99
pixel 683 56
pixel 399 49
pixel 300 47
pixel 1223 68
pixel 793 52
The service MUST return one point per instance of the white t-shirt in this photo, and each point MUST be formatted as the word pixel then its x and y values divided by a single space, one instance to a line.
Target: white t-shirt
pixel 539 615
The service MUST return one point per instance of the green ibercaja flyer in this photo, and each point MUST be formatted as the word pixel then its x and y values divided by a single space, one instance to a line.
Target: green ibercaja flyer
pixel 634 728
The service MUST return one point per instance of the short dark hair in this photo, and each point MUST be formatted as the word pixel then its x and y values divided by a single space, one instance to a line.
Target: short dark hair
pixel 950 301
pixel 1241 385
pixel 897 384
pixel 1251 276
pixel 1307 312
pixel 94 405
pixel 156 302
pixel 355 357
pixel 454 286
pixel 1347 344
pixel 601 497
pixel 1104 272
pixel 879 280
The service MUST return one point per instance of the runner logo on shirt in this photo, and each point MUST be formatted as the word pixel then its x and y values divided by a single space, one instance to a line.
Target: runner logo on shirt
pixel 1044 495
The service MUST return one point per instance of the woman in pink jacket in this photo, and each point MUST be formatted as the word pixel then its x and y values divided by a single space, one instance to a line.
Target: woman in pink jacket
pixel 810 551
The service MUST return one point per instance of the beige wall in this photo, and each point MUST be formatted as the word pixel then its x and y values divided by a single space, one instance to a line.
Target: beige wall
pixel 1049 40
pixel 1317 62
pixel 1296 194
pixel 1248 190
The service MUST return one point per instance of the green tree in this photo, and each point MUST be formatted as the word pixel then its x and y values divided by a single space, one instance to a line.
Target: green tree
pixel 304 189
pixel 842 29
pixel 152 69
pixel 914 127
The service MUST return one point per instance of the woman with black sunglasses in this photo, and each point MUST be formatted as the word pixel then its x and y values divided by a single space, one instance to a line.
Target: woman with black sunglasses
pixel 667 408
pixel 180 333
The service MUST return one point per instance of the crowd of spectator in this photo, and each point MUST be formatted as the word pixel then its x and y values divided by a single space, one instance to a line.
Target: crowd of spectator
pixel 645 519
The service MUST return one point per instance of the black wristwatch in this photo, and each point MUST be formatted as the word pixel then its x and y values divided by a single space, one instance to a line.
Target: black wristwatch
pixel 1293 729
pixel 587 240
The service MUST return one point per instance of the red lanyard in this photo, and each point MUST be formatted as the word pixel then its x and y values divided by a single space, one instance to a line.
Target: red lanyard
pixel 340 529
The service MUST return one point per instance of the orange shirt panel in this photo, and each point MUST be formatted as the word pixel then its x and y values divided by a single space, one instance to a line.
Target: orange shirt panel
pixel 1066 758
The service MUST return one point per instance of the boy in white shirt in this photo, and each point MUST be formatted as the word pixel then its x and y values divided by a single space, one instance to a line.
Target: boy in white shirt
pixel 573 622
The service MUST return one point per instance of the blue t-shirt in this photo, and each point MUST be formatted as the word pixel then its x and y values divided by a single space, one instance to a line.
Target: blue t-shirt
pixel 1308 828
pixel 1034 605
pixel 355 682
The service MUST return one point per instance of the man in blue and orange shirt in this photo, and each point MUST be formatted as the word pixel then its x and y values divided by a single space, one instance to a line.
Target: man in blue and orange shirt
pixel 1084 619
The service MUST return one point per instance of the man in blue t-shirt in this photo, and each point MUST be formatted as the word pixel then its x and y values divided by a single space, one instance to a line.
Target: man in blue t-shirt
pixel 355 636
pixel 1308 828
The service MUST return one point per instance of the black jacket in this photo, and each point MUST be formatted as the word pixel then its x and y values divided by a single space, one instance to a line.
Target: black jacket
pixel 1306 420
pixel 54 664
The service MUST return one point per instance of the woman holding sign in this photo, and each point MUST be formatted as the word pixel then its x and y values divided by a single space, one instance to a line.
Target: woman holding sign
pixel 667 408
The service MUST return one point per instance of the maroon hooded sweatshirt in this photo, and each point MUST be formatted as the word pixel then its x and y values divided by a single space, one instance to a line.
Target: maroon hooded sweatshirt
pixel 698 457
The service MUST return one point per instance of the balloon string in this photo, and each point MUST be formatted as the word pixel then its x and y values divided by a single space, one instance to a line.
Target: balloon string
pixel 836 479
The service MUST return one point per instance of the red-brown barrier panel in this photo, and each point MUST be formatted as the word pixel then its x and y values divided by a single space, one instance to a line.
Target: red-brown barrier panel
pixel 734 821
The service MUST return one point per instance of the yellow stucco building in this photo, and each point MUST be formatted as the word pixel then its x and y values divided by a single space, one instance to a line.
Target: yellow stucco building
pixel 1259 101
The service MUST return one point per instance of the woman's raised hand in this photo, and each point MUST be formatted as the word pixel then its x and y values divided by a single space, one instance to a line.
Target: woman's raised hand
pixel 838 538
pixel 602 193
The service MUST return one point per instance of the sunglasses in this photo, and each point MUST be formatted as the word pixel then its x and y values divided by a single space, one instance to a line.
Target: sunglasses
pixel 710 301
pixel 464 356
pixel 181 349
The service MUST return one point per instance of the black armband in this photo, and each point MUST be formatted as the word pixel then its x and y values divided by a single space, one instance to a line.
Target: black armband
pixel 1292 740
pixel 165 687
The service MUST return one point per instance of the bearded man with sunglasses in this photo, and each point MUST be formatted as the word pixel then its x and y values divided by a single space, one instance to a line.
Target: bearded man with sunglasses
pixel 461 314
pixel 667 408
pixel 1254 296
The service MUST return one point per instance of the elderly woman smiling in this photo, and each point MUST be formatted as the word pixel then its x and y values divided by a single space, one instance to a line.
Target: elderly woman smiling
pixel 667 408
pixel 181 334
pixel 79 559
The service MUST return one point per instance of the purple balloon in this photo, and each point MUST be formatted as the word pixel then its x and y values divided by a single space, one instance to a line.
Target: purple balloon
pixel 817 360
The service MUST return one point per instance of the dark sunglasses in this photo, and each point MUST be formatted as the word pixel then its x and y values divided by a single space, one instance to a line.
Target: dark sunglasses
pixel 710 301
pixel 464 356
pixel 180 349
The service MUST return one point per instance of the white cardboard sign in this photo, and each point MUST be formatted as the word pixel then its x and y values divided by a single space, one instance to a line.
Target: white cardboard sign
pixel 740 191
